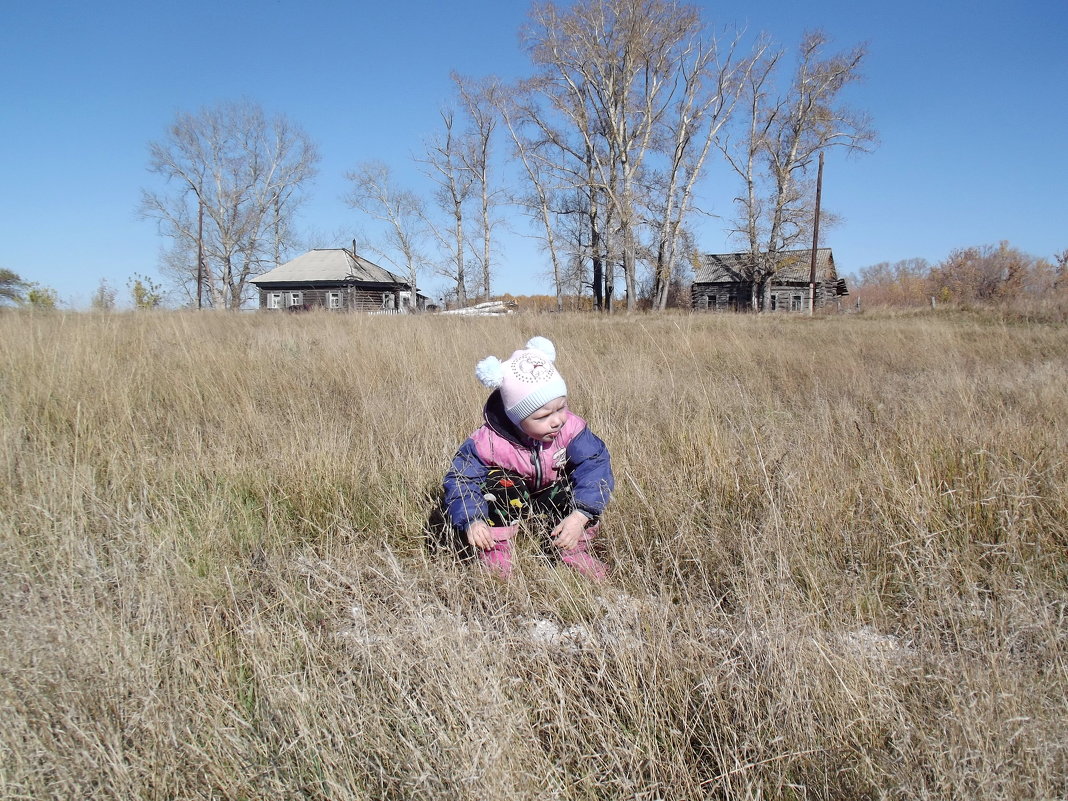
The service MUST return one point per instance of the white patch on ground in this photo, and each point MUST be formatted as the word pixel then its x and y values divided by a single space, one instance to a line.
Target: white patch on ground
pixel 624 624
pixel 358 630
pixel 545 632
pixel 620 627
pixel 872 644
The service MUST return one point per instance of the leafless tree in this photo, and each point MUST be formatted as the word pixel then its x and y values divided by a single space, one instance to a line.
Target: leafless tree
pixel 480 102
pixel 530 150
pixel 603 232
pixel 903 283
pixel 610 67
pixel 635 91
pixel 561 195
pixel 376 194
pixel 447 157
pixel 105 298
pixel 248 173
pixel 784 133
pixel 707 85
pixel 575 276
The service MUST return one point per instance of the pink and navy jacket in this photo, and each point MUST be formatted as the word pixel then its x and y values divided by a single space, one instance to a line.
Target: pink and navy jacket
pixel 576 455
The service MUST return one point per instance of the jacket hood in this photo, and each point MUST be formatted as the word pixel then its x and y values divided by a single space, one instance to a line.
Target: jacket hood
pixel 497 419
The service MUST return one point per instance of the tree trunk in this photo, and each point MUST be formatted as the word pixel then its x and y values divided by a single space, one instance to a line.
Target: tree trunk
pixel 461 282
pixel 485 242
pixel 663 273
pixel 629 266
pixel 598 264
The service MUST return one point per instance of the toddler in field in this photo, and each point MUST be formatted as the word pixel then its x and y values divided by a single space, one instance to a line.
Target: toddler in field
pixel 532 458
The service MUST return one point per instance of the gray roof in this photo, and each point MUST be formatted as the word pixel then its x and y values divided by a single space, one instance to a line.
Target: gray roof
pixel 334 264
pixel 793 265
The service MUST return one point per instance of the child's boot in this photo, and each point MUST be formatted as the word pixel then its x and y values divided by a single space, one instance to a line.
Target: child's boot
pixel 581 559
pixel 499 558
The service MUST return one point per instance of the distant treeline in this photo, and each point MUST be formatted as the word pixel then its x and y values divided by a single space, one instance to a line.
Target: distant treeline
pixel 984 275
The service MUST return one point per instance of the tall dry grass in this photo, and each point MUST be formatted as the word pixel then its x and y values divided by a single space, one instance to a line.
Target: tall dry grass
pixel 839 553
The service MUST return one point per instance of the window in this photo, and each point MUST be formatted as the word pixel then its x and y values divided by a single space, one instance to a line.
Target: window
pixel 274 300
pixel 333 300
pixel 296 298
pixel 774 302
pixel 795 303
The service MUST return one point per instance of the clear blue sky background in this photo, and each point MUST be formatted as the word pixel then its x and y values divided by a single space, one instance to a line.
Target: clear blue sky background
pixel 969 99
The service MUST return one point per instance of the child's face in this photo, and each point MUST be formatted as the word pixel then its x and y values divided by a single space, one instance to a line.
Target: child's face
pixel 545 423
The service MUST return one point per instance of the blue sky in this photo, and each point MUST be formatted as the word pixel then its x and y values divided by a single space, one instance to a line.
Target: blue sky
pixel 968 98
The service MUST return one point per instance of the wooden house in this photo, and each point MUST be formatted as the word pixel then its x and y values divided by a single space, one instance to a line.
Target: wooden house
pixel 336 279
pixel 724 282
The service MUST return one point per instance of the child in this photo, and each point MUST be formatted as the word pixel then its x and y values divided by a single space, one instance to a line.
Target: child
pixel 531 456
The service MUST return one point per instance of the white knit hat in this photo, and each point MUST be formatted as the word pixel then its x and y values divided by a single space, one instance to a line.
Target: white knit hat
pixel 527 379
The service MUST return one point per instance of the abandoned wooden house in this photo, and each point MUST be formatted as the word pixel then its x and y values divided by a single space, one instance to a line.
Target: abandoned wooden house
pixel 724 282
pixel 337 279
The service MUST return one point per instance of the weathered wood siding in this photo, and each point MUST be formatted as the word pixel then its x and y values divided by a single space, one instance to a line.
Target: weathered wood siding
pixel 721 296
pixel 779 297
pixel 333 298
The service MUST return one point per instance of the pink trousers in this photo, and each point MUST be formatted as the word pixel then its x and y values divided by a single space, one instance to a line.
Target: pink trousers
pixel 499 558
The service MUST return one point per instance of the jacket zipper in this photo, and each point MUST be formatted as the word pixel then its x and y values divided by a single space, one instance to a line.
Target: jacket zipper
pixel 535 458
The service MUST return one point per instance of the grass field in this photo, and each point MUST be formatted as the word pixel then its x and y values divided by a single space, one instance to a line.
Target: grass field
pixel 839 551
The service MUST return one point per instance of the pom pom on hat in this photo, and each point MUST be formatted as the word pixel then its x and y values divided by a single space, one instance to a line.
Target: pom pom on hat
pixel 544 345
pixel 490 372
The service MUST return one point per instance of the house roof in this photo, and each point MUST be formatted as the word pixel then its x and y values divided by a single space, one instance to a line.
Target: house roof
pixel 793 265
pixel 333 264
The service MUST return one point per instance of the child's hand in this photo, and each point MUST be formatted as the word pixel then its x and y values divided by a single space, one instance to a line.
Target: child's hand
pixel 479 535
pixel 568 531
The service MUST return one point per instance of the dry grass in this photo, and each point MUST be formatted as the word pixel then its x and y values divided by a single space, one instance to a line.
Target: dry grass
pixel 839 551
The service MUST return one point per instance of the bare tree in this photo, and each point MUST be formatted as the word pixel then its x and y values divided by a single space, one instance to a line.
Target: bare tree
pixel 610 67
pixel 784 134
pixel 105 298
pixel 561 194
pixel 563 191
pixel 635 92
pixel 481 100
pixel 521 121
pixel 903 283
pixel 707 89
pixel 447 157
pixel 574 232
pixel 376 194
pixel 247 172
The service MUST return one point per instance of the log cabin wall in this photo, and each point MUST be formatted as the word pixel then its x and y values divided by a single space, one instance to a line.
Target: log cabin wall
pixel 338 298
pixel 780 297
